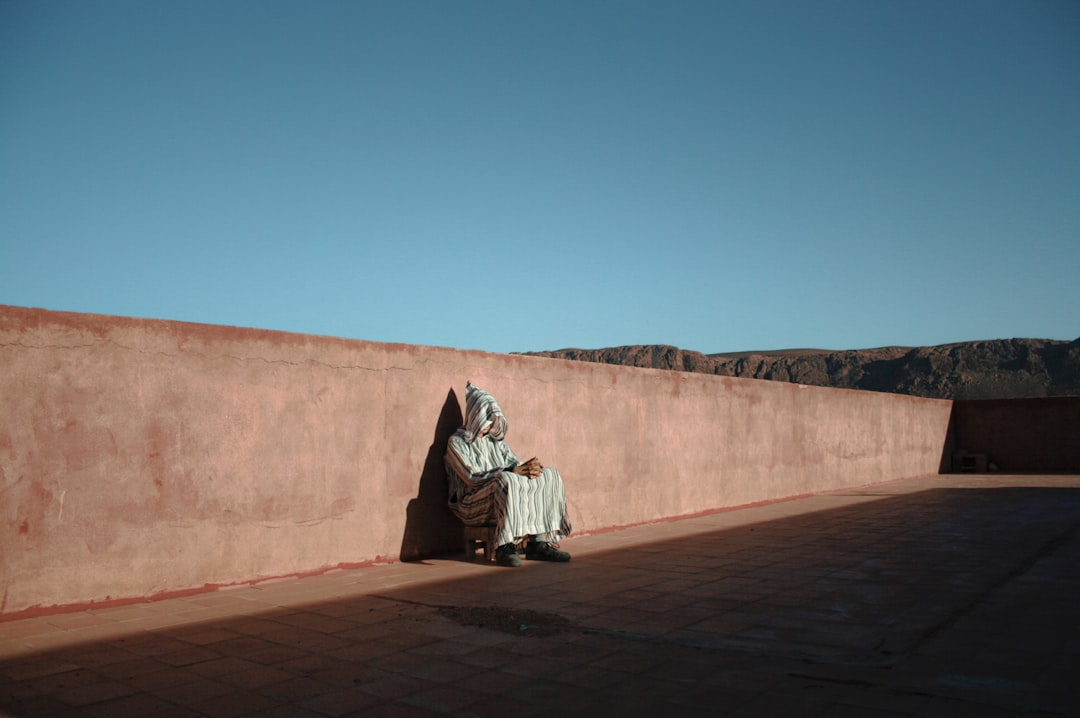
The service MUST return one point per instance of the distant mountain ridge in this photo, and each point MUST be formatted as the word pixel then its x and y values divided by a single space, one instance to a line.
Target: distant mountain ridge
pixel 993 369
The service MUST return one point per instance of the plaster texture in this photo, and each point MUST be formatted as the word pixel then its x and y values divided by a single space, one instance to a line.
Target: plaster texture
pixel 143 458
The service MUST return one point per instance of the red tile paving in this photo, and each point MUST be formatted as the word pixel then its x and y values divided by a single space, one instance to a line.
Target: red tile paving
pixel 940 596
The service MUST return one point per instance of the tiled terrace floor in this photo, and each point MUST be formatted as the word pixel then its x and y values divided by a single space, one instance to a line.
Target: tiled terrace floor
pixel 940 596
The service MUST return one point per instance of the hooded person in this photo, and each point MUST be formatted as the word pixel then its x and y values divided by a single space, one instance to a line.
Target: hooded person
pixel 488 485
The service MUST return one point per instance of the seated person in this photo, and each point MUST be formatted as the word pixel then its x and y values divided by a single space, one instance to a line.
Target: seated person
pixel 488 485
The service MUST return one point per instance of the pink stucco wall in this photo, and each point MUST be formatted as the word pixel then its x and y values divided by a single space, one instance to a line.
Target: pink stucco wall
pixel 143 457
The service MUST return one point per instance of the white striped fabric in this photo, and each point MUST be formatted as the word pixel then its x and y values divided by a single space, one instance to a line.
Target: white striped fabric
pixel 483 489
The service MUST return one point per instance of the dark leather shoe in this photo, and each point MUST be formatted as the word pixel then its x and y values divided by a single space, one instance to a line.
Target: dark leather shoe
pixel 507 555
pixel 543 551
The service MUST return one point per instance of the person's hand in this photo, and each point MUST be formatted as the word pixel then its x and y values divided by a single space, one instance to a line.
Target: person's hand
pixel 530 468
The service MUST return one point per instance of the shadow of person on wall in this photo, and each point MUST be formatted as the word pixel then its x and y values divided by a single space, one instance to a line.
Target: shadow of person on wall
pixel 430 528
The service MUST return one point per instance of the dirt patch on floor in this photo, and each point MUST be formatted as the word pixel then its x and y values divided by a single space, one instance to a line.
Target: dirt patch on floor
pixel 518 621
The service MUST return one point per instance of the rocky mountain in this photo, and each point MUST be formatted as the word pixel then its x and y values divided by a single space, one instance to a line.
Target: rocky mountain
pixel 996 369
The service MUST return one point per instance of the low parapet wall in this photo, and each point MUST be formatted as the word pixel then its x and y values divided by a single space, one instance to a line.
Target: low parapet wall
pixel 142 457
pixel 1040 434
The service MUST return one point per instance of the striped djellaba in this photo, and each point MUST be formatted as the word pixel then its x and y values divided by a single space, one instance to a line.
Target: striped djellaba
pixel 484 490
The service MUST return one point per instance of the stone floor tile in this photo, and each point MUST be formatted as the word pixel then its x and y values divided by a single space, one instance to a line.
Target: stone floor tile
pixel 164 677
pixel 883 699
pixel 42 706
pixel 294 711
pixel 631 701
pixel 393 686
pixel 190 692
pixel 187 656
pixel 291 690
pixel 488 657
pixel 445 698
pixel 275 654
pixel 589 676
pixel 252 625
pixel 340 702
pixel 844 710
pixel 498 682
pixel 708 699
pixel 445 649
pixel 799 699
pixel 948 708
pixel 254 678
pixel 95 692
pixel 221 667
pixel 423 667
pixel 233 704
pixel 137 706
pixel 36 667
pixel 149 644
pixel 399 709
pixel 13 630
pixel 634 660
pixel 130 668
pixel 52 683
pixel 206 636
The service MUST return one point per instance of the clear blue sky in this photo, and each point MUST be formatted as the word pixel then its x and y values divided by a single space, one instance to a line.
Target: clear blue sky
pixel 518 176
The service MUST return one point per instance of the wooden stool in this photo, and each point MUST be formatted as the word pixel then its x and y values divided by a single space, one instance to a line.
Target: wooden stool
pixel 480 534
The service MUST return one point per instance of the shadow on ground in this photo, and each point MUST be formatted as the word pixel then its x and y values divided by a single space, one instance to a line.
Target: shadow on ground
pixel 941 602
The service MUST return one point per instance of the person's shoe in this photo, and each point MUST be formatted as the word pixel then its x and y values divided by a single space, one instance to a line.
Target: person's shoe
pixel 543 551
pixel 507 555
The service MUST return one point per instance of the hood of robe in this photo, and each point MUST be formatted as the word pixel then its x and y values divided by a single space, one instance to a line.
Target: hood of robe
pixel 481 411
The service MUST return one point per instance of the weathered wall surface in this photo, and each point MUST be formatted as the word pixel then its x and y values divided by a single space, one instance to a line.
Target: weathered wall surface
pixel 142 457
pixel 1021 434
